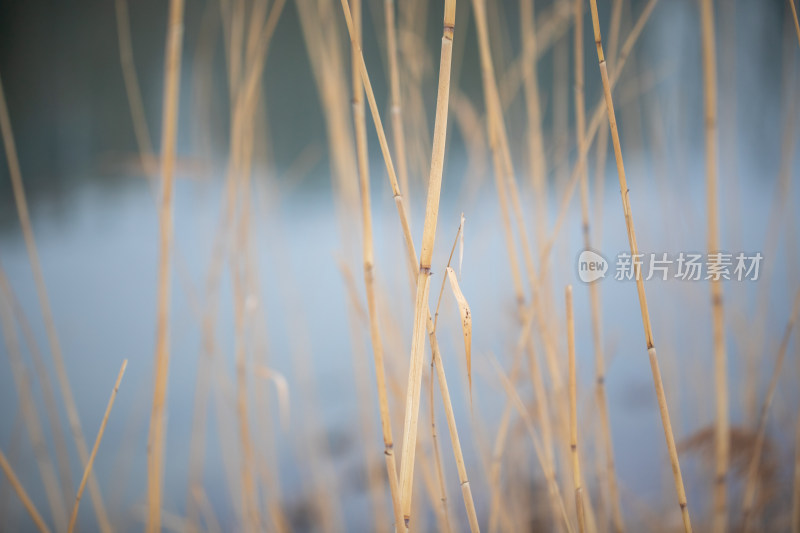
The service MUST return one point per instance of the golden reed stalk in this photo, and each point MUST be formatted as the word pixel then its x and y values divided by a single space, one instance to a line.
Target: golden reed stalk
pixel 573 413
pixel 648 328
pixel 155 455
pixel 359 119
pixel 74 516
pixel 722 422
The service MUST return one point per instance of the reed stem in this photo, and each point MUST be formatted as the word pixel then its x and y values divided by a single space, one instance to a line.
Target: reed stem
pixel 23 496
pixel 74 516
pixel 648 329
pixel 722 423
pixel 573 414
pixel 359 119
pixel 155 456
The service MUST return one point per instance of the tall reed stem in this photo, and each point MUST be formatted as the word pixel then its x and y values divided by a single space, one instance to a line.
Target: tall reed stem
pixel 155 456
pixel 722 423
pixel 359 119
pixel 573 413
pixel 648 329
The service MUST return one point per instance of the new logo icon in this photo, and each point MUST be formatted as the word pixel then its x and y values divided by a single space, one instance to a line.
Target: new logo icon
pixel 591 266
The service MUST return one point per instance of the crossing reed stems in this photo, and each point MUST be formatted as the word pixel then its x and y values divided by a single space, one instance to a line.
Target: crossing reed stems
pixel 47 313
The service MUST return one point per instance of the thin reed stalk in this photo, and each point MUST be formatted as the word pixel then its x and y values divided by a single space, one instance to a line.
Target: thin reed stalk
pixel 132 89
pixel 722 422
pixel 23 496
pixel 648 329
pixel 398 133
pixel 156 444
pixel 794 17
pixel 577 479
pixel 748 499
pixel 44 304
pixel 594 296
pixel 359 119
pixel 74 516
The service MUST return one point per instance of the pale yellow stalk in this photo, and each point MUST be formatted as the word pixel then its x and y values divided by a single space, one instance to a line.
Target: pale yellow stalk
pixel 577 479
pixel 648 330
pixel 155 456
pixel 359 119
pixel 721 423
pixel 23 496
pixel 90 463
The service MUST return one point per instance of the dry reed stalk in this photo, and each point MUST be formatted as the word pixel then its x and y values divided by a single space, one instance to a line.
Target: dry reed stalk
pixel 74 516
pixel 149 163
pixel 398 133
pixel 648 330
pixel 594 296
pixel 438 459
pixel 748 499
pixel 28 407
pixel 794 17
pixel 357 317
pixel 359 119
pixel 44 303
pixel 722 422
pixel 23 496
pixel 466 490
pixel 421 311
pixel 48 392
pixel 155 456
pixel 577 478
pixel 602 136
